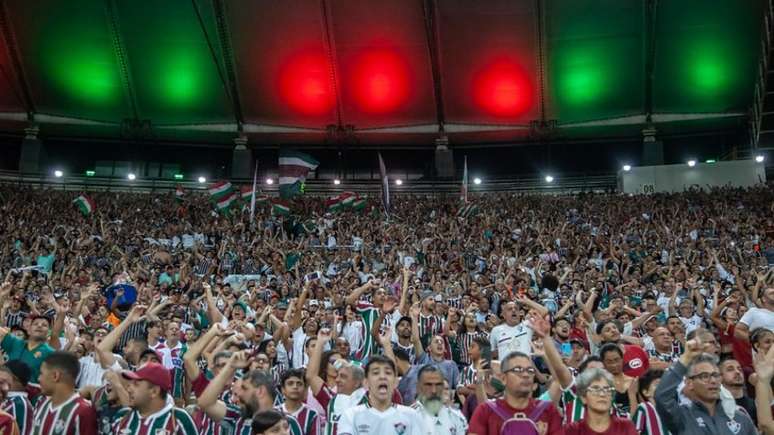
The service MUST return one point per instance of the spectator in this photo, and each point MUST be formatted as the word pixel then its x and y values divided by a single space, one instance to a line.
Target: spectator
pixel 519 373
pixel 14 376
pixel 438 416
pixel 63 410
pixel 705 413
pixel 596 389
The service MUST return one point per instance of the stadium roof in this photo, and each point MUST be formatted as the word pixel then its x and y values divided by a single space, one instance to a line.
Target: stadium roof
pixel 386 72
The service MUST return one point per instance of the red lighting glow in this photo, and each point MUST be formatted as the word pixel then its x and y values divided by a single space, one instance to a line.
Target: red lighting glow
pixel 305 83
pixel 380 81
pixel 503 88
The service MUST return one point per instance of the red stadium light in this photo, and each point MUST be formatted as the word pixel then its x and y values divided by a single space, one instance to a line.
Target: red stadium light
pixel 380 81
pixel 305 83
pixel 503 88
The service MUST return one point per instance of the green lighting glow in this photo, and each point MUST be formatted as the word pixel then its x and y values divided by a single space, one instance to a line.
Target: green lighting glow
pixel 709 69
pixel 180 79
pixel 178 176
pixel 82 66
pixel 581 76
pixel 710 161
pixel 90 173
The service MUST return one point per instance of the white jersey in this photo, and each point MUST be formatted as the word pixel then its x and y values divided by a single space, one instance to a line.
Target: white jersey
pixel 448 421
pixel 506 339
pixel 396 420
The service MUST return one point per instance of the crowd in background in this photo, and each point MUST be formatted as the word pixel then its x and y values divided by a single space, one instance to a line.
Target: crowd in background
pixel 581 314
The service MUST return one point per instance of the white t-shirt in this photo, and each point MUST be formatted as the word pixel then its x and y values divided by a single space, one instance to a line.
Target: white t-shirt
pixel 691 323
pixel 506 339
pixel 448 421
pixel 756 318
pixel 298 355
pixel 397 419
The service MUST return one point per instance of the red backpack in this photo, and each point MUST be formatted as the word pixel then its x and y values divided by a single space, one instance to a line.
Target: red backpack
pixel 519 423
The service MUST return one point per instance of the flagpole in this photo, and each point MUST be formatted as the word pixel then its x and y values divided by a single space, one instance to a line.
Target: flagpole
pixel 465 182
pixel 252 197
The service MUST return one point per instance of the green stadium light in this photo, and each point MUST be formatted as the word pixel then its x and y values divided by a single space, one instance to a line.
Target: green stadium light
pixel 178 176
pixel 710 161
pixel 90 173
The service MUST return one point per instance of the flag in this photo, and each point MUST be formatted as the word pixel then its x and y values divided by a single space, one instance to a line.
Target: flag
pixel 359 204
pixel 347 198
pixel 280 207
pixel 179 194
pixel 385 185
pixel 291 259
pixel 293 167
pixel 261 199
pixel 220 190
pixel 84 204
pixel 225 202
pixel 467 211
pixel 333 204
pixel 246 192
pixel 465 182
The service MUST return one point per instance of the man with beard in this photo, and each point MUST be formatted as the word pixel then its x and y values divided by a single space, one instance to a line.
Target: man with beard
pixel 663 354
pixel 254 393
pixel 380 415
pixel 150 412
pixel 293 385
pixel 519 373
pixel 438 417
pixel 561 331
pixel 732 378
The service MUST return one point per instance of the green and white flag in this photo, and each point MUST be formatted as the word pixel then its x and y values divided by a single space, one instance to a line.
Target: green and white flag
pixel 280 207
pixel 225 202
pixel 84 204
pixel 220 190
pixel 359 204
pixel 293 168
pixel 467 210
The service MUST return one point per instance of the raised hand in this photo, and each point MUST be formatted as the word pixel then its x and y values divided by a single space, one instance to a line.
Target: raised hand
pixel 240 360
pixel 764 365
pixel 540 326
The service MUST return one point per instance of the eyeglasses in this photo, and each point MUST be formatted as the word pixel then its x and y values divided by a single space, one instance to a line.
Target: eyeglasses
pixel 704 377
pixel 601 391
pixel 261 360
pixel 521 370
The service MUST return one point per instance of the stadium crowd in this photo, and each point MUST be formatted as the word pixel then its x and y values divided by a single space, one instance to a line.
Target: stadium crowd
pixel 581 314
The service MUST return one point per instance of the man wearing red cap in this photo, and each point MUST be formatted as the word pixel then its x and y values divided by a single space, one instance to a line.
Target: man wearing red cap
pixel 151 413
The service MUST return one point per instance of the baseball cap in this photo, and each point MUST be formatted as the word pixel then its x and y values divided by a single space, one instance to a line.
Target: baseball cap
pixel 636 361
pixel 154 373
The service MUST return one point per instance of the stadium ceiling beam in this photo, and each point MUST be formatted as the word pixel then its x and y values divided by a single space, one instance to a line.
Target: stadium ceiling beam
pixel 227 77
pixel 329 43
pixel 119 50
pixel 449 128
pixel 429 12
pixel 19 78
pixel 655 118
pixel 54 119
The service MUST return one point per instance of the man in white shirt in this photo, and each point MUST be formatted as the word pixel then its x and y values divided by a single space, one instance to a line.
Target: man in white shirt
pixel 755 318
pixel 379 415
pixel 514 335
pixel 438 417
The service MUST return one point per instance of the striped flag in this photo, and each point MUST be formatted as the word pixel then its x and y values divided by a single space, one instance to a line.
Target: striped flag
pixel 252 194
pixel 280 207
pixel 467 211
pixel 84 204
pixel 220 190
pixel 247 192
pixel 293 168
pixel 385 186
pixel 465 182
pixel 333 204
pixel 179 194
pixel 347 198
pixel 225 202
pixel 359 204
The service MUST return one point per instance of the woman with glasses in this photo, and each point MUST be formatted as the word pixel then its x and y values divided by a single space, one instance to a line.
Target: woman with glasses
pixel 596 388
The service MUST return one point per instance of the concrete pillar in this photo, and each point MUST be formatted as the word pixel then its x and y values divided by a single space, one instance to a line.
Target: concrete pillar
pixel 31 152
pixel 241 159
pixel 652 152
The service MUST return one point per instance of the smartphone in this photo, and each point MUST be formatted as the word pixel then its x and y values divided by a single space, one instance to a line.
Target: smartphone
pixel 314 276
pixel 566 350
